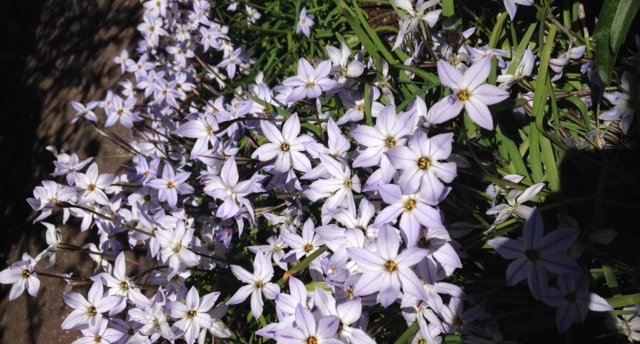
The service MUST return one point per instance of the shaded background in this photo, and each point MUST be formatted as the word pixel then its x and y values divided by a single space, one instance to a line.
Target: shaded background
pixel 52 52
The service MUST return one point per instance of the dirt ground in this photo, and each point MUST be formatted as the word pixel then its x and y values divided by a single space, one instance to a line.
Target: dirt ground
pixel 52 52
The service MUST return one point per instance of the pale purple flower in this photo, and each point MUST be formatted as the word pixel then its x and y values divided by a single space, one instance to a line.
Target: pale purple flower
pixel 121 285
pixel 469 92
pixel 69 166
pixel 427 333
pixel 151 28
pixel 515 206
pixel 348 312
pixel 170 185
pixel 192 314
pixel 121 110
pixel 309 330
pixel 360 220
pixel 286 146
pixel 622 104
pixel 337 188
pixel 390 131
pixel 175 247
pixel 23 276
pixel 302 245
pixel 88 312
pixel 258 283
pixel 93 185
pixel 310 82
pixel 226 187
pixel 410 21
pixel 305 22
pixel 231 61
pixel 153 320
pixel 341 65
pixel 524 69
pixel 85 111
pixel 98 333
pixel 629 324
pixel 535 254
pixel 573 299
pixel 414 209
pixel 387 271
pixel 422 163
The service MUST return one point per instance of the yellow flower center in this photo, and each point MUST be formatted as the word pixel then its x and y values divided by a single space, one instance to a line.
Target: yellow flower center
pixel 285 147
pixel 171 185
pixel 308 248
pixel 391 266
pixel 92 311
pixel 390 142
pixel 464 95
pixel 192 313
pixel 312 340
pixel 310 84
pixel 424 163
pixel 92 187
pixel 410 204
pixel 26 273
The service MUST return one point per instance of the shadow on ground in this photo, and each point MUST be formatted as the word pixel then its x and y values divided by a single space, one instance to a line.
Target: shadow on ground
pixel 52 52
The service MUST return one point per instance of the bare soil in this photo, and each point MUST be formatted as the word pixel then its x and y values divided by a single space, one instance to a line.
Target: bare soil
pixel 52 52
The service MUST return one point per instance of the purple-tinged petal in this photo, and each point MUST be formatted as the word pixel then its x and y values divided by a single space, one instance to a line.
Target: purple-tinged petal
pixel 387 243
pixel 557 241
pixel 476 75
pixel 538 281
pixel 533 230
pixel 565 316
pixel 507 248
pixel 518 270
pixel 598 304
pixel 411 256
pixel 479 113
pixel 489 94
pixel 445 109
pixel 368 283
pixel 291 128
pixel 449 75
pixel 327 327
pixel 305 321
pixel 366 259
